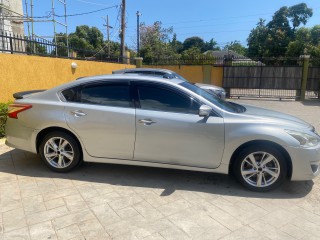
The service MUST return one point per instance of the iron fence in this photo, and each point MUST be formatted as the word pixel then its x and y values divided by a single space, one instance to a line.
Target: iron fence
pixel 201 60
pixel 16 44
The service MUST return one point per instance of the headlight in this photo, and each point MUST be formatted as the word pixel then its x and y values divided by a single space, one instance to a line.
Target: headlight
pixel 305 139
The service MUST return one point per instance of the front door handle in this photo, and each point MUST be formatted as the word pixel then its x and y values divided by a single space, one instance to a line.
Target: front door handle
pixel 146 121
pixel 78 113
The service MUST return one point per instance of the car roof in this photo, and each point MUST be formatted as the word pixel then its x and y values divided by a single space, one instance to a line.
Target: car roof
pixel 52 93
pixel 131 77
pixel 131 70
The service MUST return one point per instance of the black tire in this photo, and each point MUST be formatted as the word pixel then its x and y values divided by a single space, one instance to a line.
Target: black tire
pixel 259 171
pixel 71 149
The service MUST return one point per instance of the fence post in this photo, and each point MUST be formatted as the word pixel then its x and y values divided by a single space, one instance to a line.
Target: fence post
pixel 206 69
pixel 11 44
pixel 227 62
pixel 304 79
pixel 138 62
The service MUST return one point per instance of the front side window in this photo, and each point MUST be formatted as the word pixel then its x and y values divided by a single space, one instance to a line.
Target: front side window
pixel 162 99
pixel 213 98
pixel 106 95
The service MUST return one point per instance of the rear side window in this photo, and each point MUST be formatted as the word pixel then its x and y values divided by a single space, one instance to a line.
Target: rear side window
pixel 107 95
pixel 71 94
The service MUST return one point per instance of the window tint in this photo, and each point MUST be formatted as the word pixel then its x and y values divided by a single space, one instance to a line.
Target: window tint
pixel 145 72
pixel 160 99
pixel 71 94
pixel 107 95
pixel 210 97
pixel 161 74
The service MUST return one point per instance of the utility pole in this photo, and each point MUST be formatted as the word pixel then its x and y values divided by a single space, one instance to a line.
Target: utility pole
pixel 123 28
pixel 32 23
pixel 54 27
pixel 138 33
pixel 27 15
pixel 108 34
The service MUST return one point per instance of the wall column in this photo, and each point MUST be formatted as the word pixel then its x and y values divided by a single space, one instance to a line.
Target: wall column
pixel 304 79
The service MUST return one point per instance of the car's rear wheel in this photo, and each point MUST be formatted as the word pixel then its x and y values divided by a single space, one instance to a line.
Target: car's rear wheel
pixel 260 168
pixel 60 151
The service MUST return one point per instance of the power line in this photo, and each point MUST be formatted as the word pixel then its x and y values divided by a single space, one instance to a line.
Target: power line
pixel 85 13
pixel 92 3
pixel 214 19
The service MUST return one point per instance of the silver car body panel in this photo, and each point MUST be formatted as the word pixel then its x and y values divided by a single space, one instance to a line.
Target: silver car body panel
pixel 105 131
pixel 174 141
pixel 180 139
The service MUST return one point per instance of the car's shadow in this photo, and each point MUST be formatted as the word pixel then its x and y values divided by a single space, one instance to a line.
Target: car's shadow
pixel 26 164
pixel 314 102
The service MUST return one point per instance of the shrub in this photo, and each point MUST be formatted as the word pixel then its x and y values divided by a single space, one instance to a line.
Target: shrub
pixel 3 117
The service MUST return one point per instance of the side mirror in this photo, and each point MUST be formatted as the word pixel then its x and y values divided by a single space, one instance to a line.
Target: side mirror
pixel 204 111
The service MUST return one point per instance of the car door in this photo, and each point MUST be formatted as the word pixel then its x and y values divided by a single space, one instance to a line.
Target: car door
pixel 103 116
pixel 170 131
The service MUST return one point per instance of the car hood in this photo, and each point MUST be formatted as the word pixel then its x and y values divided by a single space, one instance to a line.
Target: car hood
pixel 274 117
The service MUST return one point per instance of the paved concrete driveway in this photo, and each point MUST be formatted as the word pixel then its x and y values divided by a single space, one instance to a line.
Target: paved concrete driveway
pixel 119 202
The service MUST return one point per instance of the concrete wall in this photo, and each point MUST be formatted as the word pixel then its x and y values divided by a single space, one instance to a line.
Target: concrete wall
pixel 197 73
pixel 21 73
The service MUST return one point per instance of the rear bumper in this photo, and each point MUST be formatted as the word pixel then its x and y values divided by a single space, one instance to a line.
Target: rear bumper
pixel 19 136
pixel 305 162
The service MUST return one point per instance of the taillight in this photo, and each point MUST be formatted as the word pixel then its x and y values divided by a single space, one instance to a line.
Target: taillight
pixel 14 109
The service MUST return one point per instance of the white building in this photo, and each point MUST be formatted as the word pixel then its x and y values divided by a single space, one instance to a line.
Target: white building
pixel 11 21
pixel 11 13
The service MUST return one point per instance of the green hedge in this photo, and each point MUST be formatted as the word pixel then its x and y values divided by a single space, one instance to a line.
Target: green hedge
pixel 3 117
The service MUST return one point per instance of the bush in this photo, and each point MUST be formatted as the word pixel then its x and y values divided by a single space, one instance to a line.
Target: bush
pixel 3 117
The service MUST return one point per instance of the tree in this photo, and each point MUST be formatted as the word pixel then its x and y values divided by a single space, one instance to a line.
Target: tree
pixel 274 38
pixel 86 40
pixel 199 43
pixel 236 47
pixel 176 45
pixel 211 46
pixel 280 32
pixel 299 14
pixel 93 36
pixel 155 42
pixel 315 35
pixel 257 40
pixel 191 53
pixel 62 42
pixel 193 42
pixel 305 39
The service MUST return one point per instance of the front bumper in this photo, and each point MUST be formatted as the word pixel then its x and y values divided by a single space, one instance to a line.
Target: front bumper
pixel 305 162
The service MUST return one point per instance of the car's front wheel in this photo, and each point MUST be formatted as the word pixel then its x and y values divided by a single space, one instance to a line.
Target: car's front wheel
pixel 60 151
pixel 260 168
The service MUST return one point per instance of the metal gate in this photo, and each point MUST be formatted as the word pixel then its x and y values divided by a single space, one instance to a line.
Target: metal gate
pixel 270 81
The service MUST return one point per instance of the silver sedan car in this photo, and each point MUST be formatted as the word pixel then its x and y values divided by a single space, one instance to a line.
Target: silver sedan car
pixel 148 121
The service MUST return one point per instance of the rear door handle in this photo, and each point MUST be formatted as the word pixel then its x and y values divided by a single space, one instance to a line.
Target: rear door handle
pixel 78 113
pixel 146 121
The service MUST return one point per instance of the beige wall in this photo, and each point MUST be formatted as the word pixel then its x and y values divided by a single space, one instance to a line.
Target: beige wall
pixel 22 73
pixel 197 73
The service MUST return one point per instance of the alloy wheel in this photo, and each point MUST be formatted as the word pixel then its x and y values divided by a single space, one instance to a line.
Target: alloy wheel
pixel 58 152
pixel 260 169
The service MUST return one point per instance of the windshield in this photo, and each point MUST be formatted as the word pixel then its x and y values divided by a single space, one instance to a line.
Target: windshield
pixel 211 98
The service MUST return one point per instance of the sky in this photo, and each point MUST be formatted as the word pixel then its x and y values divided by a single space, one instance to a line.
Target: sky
pixel 224 21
